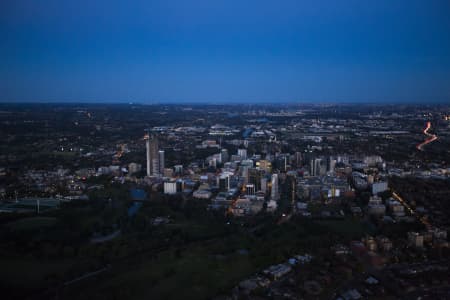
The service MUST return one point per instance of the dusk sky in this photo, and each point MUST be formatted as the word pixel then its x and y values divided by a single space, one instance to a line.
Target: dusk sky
pixel 225 51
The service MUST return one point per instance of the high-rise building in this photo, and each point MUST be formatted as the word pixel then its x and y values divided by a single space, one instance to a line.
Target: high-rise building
pixel 148 156
pixel 331 164
pixel 178 169
pixel 312 167
pixel 254 177
pixel 153 158
pixel 274 194
pixel 250 189
pixel 224 156
pixel 244 173
pixel 291 181
pixel 317 167
pixel 298 159
pixel 322 168
pixel 281 162
pixel 264 185
pixel 161 162
pixel 212 162
pixel 242 153
pixel 224 182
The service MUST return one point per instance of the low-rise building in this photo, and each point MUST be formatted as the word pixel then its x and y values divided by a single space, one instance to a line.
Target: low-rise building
pixel 415 239
pixel 277 271
pixel 202 194
pixel 173 187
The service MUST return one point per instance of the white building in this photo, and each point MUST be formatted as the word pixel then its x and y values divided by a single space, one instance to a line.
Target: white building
pixel 277 271
pixel 178 169
pixel 173 187
pixel 274 194
pixel 242 153
pixel 272 206
pixel 250 189
pixel 264 185
pixel 378 187
pixel 202 194
pixel 134 168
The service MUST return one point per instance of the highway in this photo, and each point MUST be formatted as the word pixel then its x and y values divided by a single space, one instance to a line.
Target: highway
pixel 431 137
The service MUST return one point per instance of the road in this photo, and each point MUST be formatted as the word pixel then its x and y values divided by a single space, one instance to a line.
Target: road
pixel 413 212
pixel 431 137
pixel 87 275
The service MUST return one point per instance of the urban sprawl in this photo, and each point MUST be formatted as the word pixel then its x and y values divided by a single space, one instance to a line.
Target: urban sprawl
pixel 225 201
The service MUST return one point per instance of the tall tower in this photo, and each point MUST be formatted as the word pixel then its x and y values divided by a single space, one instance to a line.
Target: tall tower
pixel 224 182
pixel 147 146
pixel 274 195
pixel 298 159
pixel 153 156
pixel 224 155
pixel 317 167
pixel 161 162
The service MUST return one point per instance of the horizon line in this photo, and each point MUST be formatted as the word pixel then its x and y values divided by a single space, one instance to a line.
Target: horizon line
pixel 231 102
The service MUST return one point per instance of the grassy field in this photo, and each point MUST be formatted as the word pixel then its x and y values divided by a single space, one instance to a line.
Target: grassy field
pixel 194 273
pixel 348 228
pixel 34 223
pixel 30 273
pixel 205 269
pixel 199 260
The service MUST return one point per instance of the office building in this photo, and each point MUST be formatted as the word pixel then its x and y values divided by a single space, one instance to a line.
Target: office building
pixel 161 163
pixel 224 157
pixel 254 177
pixel 317 167
pixel 264 165
pixel 134 168
pixel 178 169
pixel 298 159
pixel 331 164
pixel 274 194
pixel 242 153
pixel 173 187
pixel 264 185
pixel 378 187
pixel 250 189
pixel 153 157
pixel 168 172
pixel 224 182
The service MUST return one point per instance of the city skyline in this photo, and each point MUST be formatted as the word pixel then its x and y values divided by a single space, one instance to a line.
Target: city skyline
pixel 225 150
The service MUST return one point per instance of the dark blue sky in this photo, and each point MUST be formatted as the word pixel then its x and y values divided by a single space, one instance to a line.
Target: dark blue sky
pixel 219 51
